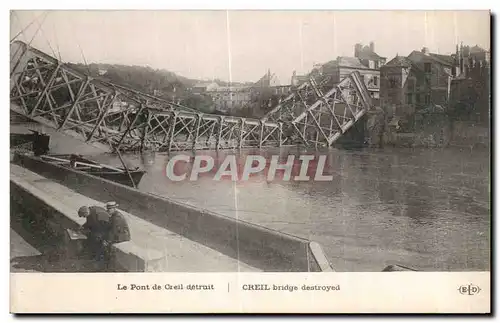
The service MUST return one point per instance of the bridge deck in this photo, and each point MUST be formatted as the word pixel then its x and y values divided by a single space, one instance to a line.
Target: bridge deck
pixel 183 255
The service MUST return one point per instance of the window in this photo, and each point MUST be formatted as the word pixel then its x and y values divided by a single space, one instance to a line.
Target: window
pixel 375 80
pixel 417 98
pixel 427 99
pixel 371 64
pixel 409 98
pixel 411 84
pixel 427 67
pixel 393 82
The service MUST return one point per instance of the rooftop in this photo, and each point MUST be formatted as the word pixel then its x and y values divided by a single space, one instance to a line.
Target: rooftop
pixel 367 53
pixel 344 61
pixel 399 61
pixel 266 80
pixel 447 60
pixel 402 61
pixel 477 49
pixel 349 62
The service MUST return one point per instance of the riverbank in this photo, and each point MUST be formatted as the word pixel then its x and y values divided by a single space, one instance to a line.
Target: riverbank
pixel 433 130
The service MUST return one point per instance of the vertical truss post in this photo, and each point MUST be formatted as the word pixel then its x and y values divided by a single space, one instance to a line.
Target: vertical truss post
pixel 103 113
pixel 46 89
pixel 280 133
pixel 125 167
pixel 75 102
pixel 242 129
pixel 261 134
pixel 138 113
pixel 146 129
pixel 197 130
pixel 173 119
pixel 219 132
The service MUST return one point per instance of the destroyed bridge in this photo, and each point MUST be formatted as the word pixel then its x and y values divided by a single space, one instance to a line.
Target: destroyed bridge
pixel 114 117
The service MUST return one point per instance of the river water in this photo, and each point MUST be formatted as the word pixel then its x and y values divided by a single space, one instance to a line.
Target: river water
pixel 423 208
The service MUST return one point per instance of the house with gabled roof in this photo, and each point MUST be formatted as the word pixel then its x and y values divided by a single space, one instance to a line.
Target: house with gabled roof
pixel 368 56
pixel 365 61
pixel 424 80
pixel 268 80
pixel 416 82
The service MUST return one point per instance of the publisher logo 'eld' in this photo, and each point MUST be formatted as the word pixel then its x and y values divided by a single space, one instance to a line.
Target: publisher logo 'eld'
pixel 469 289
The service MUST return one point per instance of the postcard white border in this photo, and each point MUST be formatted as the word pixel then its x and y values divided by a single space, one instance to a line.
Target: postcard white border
pixel 384 292
pixel 264 4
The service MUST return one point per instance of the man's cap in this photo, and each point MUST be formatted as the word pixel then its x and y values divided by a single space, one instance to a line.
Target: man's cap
pixel 83 209
pixel 111 204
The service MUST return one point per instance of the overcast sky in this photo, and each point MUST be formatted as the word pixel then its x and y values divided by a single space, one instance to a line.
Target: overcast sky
pixel 242 45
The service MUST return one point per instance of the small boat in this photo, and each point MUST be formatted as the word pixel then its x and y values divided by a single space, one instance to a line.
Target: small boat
pixel 115 174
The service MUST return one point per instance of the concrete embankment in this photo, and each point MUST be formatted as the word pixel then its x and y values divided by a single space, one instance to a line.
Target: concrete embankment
pixel 20 248
pixel 152 248
pixel 254 245
pixel 431 131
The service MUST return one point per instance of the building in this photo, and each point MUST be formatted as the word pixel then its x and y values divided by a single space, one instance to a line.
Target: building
pixel 368 57
pixel 204 87
pixel 269 85
pixel 470 94
pixel 298 80
pixel 228 98
pixel 366 61
pixel 266 93
pixel 281 90
pixel 424 80
pixel 416 82
pixel 266 81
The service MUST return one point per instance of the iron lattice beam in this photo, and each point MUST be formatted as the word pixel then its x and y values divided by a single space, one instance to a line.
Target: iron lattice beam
pixel 115 117
pixel 315 118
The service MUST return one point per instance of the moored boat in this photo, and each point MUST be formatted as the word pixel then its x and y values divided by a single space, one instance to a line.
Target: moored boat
pixel 80 163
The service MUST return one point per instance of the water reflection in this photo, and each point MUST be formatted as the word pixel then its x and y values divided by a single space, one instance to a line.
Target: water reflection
pixel 423 208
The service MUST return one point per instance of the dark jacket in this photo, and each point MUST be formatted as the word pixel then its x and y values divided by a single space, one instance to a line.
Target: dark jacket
pixel 119 231
pixel 97 224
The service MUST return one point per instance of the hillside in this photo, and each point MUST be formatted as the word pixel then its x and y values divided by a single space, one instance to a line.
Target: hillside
pixel 144 79
pixel 160 83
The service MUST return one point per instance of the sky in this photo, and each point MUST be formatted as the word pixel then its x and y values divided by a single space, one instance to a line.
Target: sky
pixel 241 46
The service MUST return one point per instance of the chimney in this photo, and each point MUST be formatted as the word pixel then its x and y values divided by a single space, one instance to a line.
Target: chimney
pixel 372 46
pixel 294 79
pixel 425 51
pixel 357 49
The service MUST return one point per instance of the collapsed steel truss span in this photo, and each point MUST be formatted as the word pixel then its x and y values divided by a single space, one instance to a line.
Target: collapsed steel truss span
pixel 115 117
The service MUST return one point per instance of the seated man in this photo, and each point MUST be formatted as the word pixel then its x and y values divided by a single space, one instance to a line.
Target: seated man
pixel 96 227
pixel 119 229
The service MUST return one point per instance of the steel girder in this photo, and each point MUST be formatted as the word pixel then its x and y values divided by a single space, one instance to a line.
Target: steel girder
pixel 313 117
pixel 115 117
pixel 178 131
